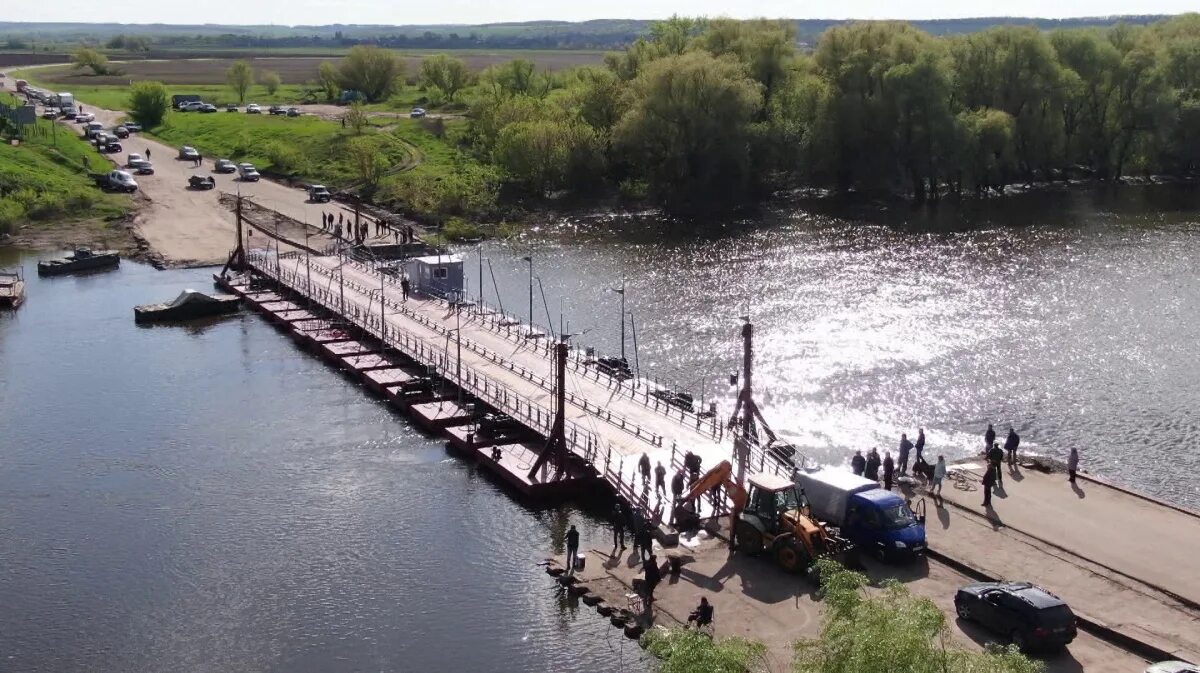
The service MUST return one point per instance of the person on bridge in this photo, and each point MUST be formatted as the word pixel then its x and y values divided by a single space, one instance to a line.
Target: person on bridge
pixel 572 549
pixel 1073 464
pixel 692 463
pixel 858 463
pixel 618 525
pixel 1010 446
pixel 702 615
pixel 337 231
pixel 989 480
pixel 995 458
pixel 939 474
pixel 872 466
pixel 644 468
pixel 989 438
pixel 660 479
pixel 889 470
pixel 905 448
pixel 920 445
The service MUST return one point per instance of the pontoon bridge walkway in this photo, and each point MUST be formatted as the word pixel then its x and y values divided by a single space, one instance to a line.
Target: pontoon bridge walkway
pixel 609 422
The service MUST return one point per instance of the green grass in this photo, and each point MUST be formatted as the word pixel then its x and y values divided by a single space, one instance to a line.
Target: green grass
pixel 116 97
pixel 45 178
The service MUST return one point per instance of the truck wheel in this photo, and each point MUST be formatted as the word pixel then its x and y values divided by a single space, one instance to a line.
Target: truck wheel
pixel 749 540
pixel 792 557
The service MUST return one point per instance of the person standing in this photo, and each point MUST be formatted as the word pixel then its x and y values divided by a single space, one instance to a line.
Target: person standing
pixel 651 576
pixel 572 549
pixel 660 479
pixel 989 437
pixel 1010 446
pixel 872 467
pixel 618 524
pixel 939 475
pixel 404 286
pixel 645 541
pixel 677 486
pixel 995 458
pixel 905 448
pixel 889 469
pixel 644 468
pixel 858 463
pixel 1073 464
pixel 989 480
pixel 920 445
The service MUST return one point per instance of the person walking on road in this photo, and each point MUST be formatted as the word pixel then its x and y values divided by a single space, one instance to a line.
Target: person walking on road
pixel 147 154
pixel 939 475
pixel 920 445
pixel 995 458
pixel 858 463
pixel 1010 446
pixel 905 448
pixel 889 469
pixel 618 524
pixel 872 466
pixel 989 437
pixel 989 480
pixel 1073 464
pixel 572 549
pixel 660 479
pixel 644 468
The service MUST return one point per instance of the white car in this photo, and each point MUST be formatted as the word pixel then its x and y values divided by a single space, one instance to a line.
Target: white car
pixel 1173 667
pixel 248 172
pixel 85 118
pixel 132 157
pixel 191 106
pixel 253 109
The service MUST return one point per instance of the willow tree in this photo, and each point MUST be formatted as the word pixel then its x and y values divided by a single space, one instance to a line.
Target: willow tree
pixel 240 76
pixel 688 130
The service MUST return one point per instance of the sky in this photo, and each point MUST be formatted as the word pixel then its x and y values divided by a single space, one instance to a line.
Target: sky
pixel 315 12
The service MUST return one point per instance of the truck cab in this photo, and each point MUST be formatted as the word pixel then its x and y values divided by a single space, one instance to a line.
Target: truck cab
pixel 877 521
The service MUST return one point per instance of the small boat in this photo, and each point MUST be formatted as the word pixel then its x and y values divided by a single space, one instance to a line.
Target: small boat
pixel 82 259
pixel 189 305
pixel 12 289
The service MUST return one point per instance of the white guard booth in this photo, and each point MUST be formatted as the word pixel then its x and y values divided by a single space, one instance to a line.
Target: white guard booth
pixel 436 275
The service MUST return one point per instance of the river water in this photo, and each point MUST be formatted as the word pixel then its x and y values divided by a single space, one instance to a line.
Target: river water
pixel 211 498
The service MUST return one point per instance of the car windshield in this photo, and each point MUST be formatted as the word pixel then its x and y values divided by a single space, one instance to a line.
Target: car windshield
pixel 898 516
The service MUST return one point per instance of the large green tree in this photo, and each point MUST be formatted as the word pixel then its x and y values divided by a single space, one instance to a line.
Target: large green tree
pixel 447 75
pixel 86 57
pixel 149 103
pixel 688 129
pixel 240 76
pixel 374 72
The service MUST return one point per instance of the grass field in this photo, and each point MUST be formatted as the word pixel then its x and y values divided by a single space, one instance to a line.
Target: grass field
pixel 45 178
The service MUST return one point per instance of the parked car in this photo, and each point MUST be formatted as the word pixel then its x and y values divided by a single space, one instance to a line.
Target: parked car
pixel 1172 667
pixel 101 139
pixel 191 106
pixel 50 113
pixel 293 112
pixel 201 181
pixel 224 166
pixel 117 181
pixel 417 113
pixel 207 107
pixel 120 132
pixel 276 110
pixel 132 127
pixel 92 129
pixel 231 108
pixel 141 167
pixel 132 157
pixel 248 172
pixel 112 147
pixel 1028 615
pixel 85 118
pixel 319 194
pixel 253 109
pixel 69 113
pixel 188 153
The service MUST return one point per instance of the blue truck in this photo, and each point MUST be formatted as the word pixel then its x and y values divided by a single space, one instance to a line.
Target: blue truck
pixel 879 522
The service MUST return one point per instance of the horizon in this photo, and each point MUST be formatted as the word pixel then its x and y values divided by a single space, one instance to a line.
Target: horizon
pixel 360 13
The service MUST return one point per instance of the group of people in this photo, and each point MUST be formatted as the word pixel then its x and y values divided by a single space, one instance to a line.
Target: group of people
pixel 358 231
pixel 869 466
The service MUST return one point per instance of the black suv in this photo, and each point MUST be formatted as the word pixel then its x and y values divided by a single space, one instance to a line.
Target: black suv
pixel 1029 616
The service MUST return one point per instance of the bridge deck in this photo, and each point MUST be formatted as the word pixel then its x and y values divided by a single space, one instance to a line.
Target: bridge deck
pixel 610 422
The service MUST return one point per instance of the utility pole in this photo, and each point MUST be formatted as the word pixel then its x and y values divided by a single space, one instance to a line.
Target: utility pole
pixel 745 404
pixel 556 444
pixel 530 260
pixel 458 347
pixel 479 250
pixel 622 293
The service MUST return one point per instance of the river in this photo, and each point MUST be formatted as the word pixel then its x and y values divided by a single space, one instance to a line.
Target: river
pixel 211 498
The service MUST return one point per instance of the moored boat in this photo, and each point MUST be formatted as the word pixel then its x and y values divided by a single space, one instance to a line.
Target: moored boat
pixel 12 289
pixel 82 259
pixel 189 305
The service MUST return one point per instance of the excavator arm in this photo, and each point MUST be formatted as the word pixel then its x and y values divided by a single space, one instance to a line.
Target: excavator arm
pixel 721 475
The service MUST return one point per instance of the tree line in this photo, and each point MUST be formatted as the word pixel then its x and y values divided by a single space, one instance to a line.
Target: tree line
pixel 701 112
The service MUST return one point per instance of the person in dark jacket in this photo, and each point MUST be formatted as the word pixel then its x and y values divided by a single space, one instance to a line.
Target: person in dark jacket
pixel 645 541
pixel 858 464
pixel 644 468
pixel 989 437
pixel 1010 446
pixel 618 524
pixel 872 467
pixel 905 448
pixel 677 485
pixel 660 479
pixel 572 549
pixel 989 480
pixel 889 470
pixel 920 445
pixel 995 458
pixel 652 576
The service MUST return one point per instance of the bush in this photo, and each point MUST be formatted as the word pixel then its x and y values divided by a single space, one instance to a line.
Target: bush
pixel 11 213
pixel 285 159
pixel 458 229
pixel 149 103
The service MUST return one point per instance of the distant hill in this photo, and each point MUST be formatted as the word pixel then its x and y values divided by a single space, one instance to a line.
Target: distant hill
pixel 598 34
